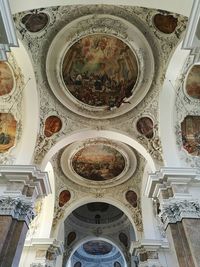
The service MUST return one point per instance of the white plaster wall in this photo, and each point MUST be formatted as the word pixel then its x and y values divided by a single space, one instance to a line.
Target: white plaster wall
pixel 178 6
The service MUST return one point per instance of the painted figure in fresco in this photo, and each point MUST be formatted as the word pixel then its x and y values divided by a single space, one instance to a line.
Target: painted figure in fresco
pixel 8 127
pixel 100 70
pixel 131 197
pixel 70 238
pixel 35 22
pixel 98 162
pixel 193 82
pixel 64 197
pixel 165 23
pixel 53 124
pixel 97 247
pixel 190 129
pixel 145 127
pixel 6 79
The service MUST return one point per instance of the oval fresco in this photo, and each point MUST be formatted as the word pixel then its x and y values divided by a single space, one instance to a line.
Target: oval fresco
pixel 193 82
pixel 100 70
pixel 35 22
pixel 97 247
pixel 131 197
pixel 145 127
pixel 64 197
pixel 98 162
pixel 53 124
pixel 165 23
pixel 71 237
pixel 190 129
pixel 6 79
pixel 8 126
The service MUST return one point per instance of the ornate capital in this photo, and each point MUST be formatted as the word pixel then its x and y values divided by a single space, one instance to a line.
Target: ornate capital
pixel 175 210
pixel 20 209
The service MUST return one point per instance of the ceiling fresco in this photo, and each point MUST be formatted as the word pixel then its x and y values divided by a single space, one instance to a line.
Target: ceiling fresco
pixel 100 70
pixel 53 124
pixel 193 82
pixel 97 247
pixel 98 162
pixel 145 127
pixel 165 23
pixel 35 22
pixel 6 79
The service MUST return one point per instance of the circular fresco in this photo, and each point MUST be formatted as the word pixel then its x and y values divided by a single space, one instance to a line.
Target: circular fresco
pixel 97 247
pixel 6 79
pixel 64 197
pixel 53 124
pixel 100 70
pixel 98 162
pixel 145 127
pixel 193 82
pixel 35 22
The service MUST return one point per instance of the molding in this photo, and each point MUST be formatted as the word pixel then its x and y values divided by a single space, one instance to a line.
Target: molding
pixel 168 176
pixel 174 211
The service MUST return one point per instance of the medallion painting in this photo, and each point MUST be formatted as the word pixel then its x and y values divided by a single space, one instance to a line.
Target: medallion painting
pixel 100 70
pixel 131 197
pixel 35 22
pixel 53 124
pixel 98 162
pixel 6 79
pixel 97 247
pixel 193 82
pixel 190 129
pixel 64 197
pixel 165 23
pixel 8 127
pixel 145 127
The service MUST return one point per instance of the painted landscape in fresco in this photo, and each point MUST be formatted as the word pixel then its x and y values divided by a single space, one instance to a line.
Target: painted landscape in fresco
pixel 8 127
pixel 100 70
pixel 193 82
pixel 98 162
pixel 6 79
pixel 97 247
pixel 35 22
pixel 145 127
pixel 165 23
pixel 190 129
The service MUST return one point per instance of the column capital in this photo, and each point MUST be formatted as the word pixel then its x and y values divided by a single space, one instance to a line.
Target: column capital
pixel 174 210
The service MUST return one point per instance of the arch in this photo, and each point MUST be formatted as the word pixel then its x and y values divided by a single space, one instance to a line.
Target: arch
pixel 90 238
pixel 86 200
pixel 109 134
pixel 166 119
pixel 30 109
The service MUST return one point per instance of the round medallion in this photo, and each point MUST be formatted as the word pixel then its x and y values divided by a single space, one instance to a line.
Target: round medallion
pixel 64 197
pixel 6 79
pixel 100 70
pixel 97 247
pixel 165 23
pixel 53 124
pixel 98 162
pixel 35 22
pixel 145 127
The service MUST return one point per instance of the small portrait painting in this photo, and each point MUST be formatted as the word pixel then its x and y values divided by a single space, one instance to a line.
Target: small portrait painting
pixel 123 239
pixel 193 82
pixel 165 23
pixel 190 130
pixel 145 127
pixel 53 124
pixel 8 126
pixel 64 197
pixel 70 238
pixel 6 79
pixel 131 197
pixel 35 22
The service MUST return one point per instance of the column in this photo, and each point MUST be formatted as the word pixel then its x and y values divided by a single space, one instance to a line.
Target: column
pixel 20 186
pixel 176 192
